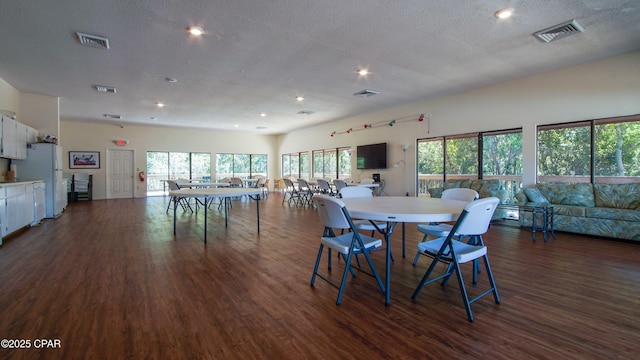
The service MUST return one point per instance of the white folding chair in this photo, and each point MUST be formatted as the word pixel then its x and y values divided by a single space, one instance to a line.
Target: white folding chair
pixel 305 192
pixel 177 200
pixel 473 222
pixel 339 184
pixel 324 187
pixel 435 230
pixel 334 215
pixel 365 225
pixel 291 190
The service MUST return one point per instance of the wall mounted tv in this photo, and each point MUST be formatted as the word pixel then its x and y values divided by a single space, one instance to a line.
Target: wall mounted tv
pixel 372 156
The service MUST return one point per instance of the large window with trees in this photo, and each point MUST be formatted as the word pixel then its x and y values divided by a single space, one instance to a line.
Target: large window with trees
pixel 603 150
pixel 484 155
pixel 332 163
pixel 240 165
pixel 163 165
pixel 295 164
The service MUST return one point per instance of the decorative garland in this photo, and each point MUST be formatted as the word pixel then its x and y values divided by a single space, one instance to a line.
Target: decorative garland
pixel 383 123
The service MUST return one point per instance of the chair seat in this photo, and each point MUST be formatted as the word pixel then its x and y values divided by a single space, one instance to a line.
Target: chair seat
pixel 367 226
pixel 464 252
pixel 436 230
pixel 343 242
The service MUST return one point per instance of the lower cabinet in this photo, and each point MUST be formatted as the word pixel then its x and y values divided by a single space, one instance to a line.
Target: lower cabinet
pixel 16 207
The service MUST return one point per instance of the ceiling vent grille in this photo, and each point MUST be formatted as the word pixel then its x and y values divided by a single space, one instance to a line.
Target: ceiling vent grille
pixel 93 40
pixel 305 112
pixel 106 89
pixel 559 31
pixel 367 93
pixel 113 116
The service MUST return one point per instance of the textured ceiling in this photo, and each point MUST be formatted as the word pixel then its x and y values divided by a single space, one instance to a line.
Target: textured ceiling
pixel 256 56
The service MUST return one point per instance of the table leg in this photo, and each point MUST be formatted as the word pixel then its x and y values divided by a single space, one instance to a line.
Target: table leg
pixel 404 241
pixel 258 211
pixel 387 270
pixel 175 203
pixel 205 218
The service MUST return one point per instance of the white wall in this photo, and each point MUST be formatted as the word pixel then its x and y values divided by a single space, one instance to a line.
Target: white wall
pixel 77 136
pixel 606 88
pixel 41 112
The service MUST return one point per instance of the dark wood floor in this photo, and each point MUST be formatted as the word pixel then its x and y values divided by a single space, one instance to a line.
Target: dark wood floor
pixel 110 281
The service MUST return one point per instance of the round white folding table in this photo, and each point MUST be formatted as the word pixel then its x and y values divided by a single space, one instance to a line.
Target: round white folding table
pixel 400 209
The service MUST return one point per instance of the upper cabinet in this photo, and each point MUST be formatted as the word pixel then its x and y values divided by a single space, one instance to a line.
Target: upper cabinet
pixel 14 139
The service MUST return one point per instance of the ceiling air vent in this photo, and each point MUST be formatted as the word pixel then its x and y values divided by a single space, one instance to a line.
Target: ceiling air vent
pixel 106 89
pixel 559 31
pixel 367 93
pixel 113 116
pixel 305 112
pixel 93 40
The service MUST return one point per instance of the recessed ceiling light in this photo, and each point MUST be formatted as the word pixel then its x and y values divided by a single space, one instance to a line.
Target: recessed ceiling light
pixel 236 125
pixel 160 104
pixel 504 13
pixel 363 72
pixel 171 80
pixel 196 30
pixel 299 98
pixel 261 127
pixel 263 114
pixel 153 118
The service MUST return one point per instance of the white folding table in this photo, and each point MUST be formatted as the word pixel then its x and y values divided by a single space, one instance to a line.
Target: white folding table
pixel 395 209
pixel 210 193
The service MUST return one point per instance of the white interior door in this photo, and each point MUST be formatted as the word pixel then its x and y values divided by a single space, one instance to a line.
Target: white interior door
pixel 120 174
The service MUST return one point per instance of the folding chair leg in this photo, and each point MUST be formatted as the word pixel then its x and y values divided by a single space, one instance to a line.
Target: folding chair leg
pixel 463 292
pixel 415 260
pixel 315 268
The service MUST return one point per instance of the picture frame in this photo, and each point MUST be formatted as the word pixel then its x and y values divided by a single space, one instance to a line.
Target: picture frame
pixel 84 160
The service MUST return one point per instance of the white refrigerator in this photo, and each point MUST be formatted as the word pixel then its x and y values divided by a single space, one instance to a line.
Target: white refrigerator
pixel 44 162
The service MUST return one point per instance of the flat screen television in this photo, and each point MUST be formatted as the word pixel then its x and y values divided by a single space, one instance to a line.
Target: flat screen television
pixel 373 156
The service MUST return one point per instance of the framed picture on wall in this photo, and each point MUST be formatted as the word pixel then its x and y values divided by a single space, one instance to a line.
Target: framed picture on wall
pixel 84 160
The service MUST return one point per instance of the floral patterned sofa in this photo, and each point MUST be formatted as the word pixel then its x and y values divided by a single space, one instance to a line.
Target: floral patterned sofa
pixel 610 210
pixel 484 188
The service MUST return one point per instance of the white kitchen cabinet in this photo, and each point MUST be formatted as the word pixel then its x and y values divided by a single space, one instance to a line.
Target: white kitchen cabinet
pixel 21 141
pixel 14 138
pixel 16 207
pixel 3 213
pixel 16 199
pixel 9 142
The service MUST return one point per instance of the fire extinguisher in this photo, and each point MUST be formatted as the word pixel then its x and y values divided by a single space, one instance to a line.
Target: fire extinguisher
pixel 141 175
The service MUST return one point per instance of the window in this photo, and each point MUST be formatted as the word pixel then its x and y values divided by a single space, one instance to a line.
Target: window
pixel 485 155
pixel 295 164
pixel 502 159
pixel 162 165
pixel 461 156
pixel 603 150
pixel 240 165
pixel 332 163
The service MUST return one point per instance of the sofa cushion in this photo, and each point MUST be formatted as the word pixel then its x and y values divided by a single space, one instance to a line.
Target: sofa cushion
pixel 534 195
pixel 466 183
pixel 451 184
pixel 490 185
pixel 569 210
pixel 578 194
pixel 476 185
pixel 620 196
pixel 613 214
